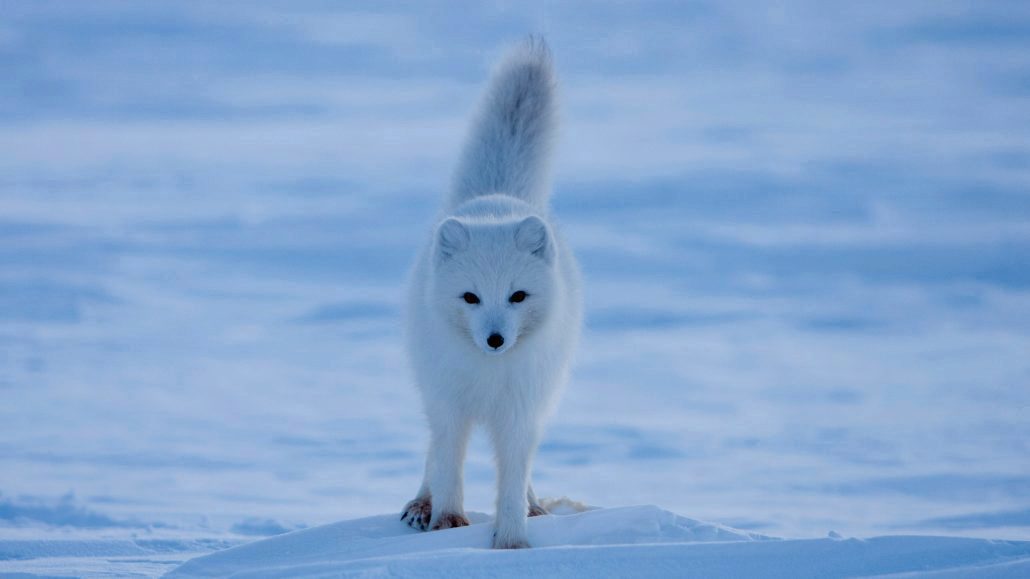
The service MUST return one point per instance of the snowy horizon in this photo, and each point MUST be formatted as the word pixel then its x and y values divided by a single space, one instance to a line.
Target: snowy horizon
pixel 804 227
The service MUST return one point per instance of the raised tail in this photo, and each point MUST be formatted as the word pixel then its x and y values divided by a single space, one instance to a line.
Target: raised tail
pixel 508 148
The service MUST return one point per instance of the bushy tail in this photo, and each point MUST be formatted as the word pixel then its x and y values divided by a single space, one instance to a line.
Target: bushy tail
pixel 508 148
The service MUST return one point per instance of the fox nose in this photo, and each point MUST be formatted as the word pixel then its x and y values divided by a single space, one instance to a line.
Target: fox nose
pixel 495 341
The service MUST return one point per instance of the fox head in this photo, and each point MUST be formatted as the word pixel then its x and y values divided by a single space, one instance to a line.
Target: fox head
pixel 493 280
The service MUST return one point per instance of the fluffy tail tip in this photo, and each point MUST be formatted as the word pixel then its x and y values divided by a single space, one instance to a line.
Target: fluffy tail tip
pixel 533 52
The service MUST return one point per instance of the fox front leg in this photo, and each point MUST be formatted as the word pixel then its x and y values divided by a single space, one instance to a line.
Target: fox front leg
pixel 514 447
pixel 419 510
pixel 449 441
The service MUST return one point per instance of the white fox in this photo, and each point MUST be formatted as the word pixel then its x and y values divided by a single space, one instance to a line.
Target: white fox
pixel 494 306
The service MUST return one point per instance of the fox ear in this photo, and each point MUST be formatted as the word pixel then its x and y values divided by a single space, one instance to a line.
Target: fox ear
pixel 451 237
pixel 531 236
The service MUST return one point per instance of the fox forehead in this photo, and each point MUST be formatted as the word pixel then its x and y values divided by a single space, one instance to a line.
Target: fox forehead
pixel 491 265
pixel 494 237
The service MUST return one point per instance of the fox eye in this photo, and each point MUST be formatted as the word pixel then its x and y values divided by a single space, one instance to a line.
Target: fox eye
pixel 470 298
pixel 517 297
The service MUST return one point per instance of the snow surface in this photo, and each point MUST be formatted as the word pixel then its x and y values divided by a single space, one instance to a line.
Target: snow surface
pixel 804 227
pixel 620 542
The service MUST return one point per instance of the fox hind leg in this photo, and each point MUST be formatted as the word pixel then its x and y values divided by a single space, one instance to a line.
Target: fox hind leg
pixel 535 509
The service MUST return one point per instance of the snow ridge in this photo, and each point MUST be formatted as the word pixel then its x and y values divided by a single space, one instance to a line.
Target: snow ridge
pixel 626 541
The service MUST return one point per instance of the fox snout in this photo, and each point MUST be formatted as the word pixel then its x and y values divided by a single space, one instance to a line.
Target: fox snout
pixel 497 341
pixel 495 332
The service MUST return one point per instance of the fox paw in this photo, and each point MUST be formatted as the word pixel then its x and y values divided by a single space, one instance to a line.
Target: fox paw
pixel 537 510
pixel 450 521
pixel 510 543
pixel 418 512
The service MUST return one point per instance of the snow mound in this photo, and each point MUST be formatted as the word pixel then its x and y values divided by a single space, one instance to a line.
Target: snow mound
pixel 627 541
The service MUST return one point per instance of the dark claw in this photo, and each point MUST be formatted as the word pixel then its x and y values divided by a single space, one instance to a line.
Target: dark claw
pixel 451 521
pixel 417 513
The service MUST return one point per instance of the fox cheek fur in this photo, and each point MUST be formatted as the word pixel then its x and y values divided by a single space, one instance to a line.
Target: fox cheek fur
pixel 494 304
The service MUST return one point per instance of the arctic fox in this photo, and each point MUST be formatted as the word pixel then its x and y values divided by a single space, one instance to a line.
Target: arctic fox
pixel 494 305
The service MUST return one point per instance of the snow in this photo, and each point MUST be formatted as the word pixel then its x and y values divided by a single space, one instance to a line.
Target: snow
pixel 618 542
pixel 804 228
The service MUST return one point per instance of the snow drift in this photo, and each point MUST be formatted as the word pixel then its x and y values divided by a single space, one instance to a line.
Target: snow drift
pixel 628 541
